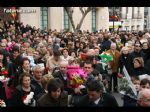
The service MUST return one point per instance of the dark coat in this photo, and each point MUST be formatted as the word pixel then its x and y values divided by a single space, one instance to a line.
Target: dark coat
pixel 135 55
pixel 139 71
pixel 59 75
pixel 18 94
pixel 47 101
pixel 38 87
pixel 124 60
pixel 106 100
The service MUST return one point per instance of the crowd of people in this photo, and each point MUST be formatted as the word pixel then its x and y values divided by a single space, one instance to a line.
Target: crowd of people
pixel 35 65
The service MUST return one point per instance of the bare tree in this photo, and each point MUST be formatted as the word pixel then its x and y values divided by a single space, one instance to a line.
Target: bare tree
pixel 84 12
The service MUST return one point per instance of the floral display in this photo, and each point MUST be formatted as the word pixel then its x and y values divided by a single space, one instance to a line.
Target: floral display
pixel 125 88
pixel 2 103
pixel 3 74
pixel 105 57
pixel 76 76
pixel 10 46
pixel 28 99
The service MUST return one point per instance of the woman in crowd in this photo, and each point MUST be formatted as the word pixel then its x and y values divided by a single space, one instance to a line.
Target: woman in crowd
pixel 22 91
pixel 56 96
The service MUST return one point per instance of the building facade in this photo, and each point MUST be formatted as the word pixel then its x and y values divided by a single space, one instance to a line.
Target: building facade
pixel 130 18
pixel 57 18
pixel 147 18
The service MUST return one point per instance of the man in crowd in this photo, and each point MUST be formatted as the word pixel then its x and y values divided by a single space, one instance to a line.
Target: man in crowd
pixel 96 98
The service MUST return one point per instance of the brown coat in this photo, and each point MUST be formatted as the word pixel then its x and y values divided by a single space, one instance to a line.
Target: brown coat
pixel 47 101
pixel 115 63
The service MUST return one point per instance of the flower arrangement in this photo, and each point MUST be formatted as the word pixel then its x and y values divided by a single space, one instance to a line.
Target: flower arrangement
pixel 125 88
pixel 10 46
pixel 28 99
pixel 76 76
pixel 3 74
pixel 105 57
pixel 2 103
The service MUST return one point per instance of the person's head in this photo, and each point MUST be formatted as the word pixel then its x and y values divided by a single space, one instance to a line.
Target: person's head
pixel 37 72
pixel 144 98
pixel 113 46
pixel 36 55
pixel 2 45
pixel 25 64
pixel 15 51
pixel 145 83
pixel 63 66
pixel 57 55
pixel 25 80
pixel 138 62
pixel 50 41
pixel 22 49
pixel 96 49
pixel 88 67
pixel 94 90
pixel 55 87
pixel 137 46
pixel 65 52
pixel 30 51
pixel 96 74
pixel 45 79
pixel 125 50
pixel 145 45
pixel 136 82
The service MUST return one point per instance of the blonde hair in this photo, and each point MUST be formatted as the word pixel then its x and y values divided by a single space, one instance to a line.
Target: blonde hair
pixel 140 60
pixel 45 79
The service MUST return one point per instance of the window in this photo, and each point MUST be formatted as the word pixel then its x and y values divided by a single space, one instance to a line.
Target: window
pixel 66 21
pixel 44 17
pixel 94 19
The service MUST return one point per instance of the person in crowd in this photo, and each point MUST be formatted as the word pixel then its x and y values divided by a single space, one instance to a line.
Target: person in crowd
pixel 22 90
pixel 114 65
pixel 136 53
pixel 105 45
pixel 96 97
pixel 146 50
pixel 144 98
pixel 3 64
pixel 124 60
pixel 56 96
pixel 138 64
pixel 44 81
pixel 36 78
pixel 145 83
pixel 136 82
pixel 61 74
pixel 54 61
pixel 65 55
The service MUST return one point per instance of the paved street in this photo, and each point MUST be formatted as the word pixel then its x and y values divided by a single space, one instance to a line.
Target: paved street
pixel 118 98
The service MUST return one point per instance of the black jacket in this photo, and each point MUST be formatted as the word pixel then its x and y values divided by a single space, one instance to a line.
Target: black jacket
pixel 38 87
pixel 19 93
pixel 124 60
pixel 106 100
pixel 65 81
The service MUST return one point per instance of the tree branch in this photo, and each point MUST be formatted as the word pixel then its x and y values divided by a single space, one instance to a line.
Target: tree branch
pixel 81 9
